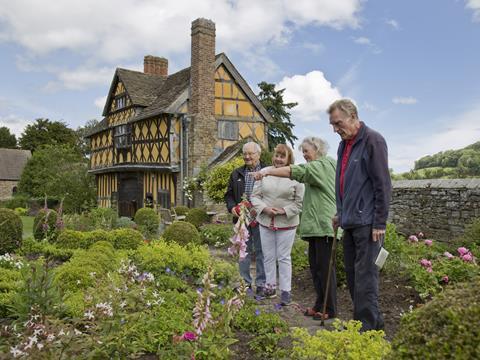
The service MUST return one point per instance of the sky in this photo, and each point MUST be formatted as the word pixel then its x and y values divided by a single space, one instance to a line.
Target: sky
pixel 412 67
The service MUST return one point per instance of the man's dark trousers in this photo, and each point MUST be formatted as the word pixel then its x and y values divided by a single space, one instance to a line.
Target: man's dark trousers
pixel 360 252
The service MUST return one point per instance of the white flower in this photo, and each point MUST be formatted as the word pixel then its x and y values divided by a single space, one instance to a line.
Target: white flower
pixel 123 304
pixel 40 346
pixel 16 352
pixel 78 282
pixel 88 314
pixel 50 337
pixel 93 273
pixel 77 332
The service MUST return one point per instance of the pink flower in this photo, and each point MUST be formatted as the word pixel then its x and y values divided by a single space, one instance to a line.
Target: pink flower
pixel 426 263
pixel 412 238
pixel 420 235
pixel 445 279
pixel 467 257
pixel 189 336
pixel 429 269
pixel 462 251
pixel 448 255
pixel 428 242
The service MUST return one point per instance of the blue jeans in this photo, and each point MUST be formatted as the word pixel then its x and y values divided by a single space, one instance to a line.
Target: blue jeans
pixel 254 246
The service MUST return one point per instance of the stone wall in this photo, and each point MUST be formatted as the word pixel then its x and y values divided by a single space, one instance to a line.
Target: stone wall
pixel 6 187
pixel 440 208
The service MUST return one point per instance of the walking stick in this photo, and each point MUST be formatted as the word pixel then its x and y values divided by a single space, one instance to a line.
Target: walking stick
pixel 330 265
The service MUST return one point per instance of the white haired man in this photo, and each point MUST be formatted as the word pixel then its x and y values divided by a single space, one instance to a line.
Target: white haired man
pixel 363 190
pixel 241 182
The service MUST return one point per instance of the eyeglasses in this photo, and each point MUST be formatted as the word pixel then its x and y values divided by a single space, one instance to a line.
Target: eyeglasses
pixel 250 153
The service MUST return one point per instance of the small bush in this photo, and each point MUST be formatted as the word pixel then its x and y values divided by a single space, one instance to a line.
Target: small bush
pixel 71 239
pixel 125 222
pixel 182 210
pixel 10 281
pixel 33 248
pixel 20 211
pixel 345 342
pixel 126 239
pixel 45 225
pixel 148 222
pixel 197 217
pixel 92 237
pixel 182 232
pixel 11 228
pixel 103 218
pixel 17 201
pixel 217 179
pixel 216 235
pixel 448 327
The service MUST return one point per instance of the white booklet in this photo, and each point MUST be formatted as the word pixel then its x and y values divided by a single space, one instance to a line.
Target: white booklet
pixel 381 257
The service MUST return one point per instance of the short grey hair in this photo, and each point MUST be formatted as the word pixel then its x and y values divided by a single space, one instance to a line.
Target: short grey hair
pixel 344 105
pixel 319 144
pixel 257 147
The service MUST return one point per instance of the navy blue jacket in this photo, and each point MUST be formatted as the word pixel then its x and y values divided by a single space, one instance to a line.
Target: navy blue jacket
pixel 367 185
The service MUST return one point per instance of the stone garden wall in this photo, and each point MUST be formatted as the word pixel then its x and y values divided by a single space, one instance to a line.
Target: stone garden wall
pixel 440 208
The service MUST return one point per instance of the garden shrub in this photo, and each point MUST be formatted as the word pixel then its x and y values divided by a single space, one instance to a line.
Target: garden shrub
pixel 21 211
pixel 182 232
pixel 45 225
pixel 148 222
pixel 217 179
pixel 216 235
pixel 182 210
pixel 103 218
pixel 10 281
pixel 197 217
pixel 161 257
pixel 71 239
pixel 125 222
pixel 344 342
pixel 471 237
pixel 126 238
pixel 17 201
pixel 92 237
pixel 225 273
pixel 299 255
pixel 33 248
pixel 11 229
pixel 448 327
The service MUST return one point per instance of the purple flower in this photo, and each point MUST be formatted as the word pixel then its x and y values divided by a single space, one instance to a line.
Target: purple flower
pixel 413 238
pixel 445 279
pixel 467 257
pixel 278 307
pixel 426 263
pixel 428 242
pixel 222 301
pixel 167 270
pixel 257 312
pixel 189 336
pixel 462 251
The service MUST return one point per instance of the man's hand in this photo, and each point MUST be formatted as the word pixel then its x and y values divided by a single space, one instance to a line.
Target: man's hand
pixel 378 234
pixel 335 223
pixel 259 175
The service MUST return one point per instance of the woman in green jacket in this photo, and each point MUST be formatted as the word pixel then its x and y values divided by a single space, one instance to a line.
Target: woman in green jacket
pixel 318 175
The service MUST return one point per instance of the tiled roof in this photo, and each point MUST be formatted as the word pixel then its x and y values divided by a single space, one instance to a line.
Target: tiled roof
pixel 12 162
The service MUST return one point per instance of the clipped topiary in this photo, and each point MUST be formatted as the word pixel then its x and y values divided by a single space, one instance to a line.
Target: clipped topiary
pixel 45 225
pixel 126 238
pixel 11 228
pixel 71 239
pixel 92 237
pixel 181 210
pixel 448 327
pixel 148 221
pixel 182 233
pixel 197 217
pixel 125 222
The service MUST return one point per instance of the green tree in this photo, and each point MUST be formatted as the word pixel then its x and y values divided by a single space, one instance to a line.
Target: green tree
pixel 59 171
pixel 7 139
pixel 45 132
pixel 281 130
pixel 81 131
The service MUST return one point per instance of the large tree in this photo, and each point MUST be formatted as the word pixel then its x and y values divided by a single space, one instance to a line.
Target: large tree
pixel 7 139
pixel 83 144
pixel 45 132
pixel 281 130
pixel 59 171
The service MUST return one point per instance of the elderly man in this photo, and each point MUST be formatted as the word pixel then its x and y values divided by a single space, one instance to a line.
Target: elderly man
pixel 241 182
pixel 363 190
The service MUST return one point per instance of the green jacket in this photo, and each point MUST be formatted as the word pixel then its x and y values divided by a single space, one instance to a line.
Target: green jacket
pixel 319 200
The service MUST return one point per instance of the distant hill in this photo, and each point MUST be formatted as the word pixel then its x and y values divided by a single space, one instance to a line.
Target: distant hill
pixel 449 164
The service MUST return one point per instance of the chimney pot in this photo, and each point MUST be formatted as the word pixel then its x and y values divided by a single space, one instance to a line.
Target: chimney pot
pixel 155 65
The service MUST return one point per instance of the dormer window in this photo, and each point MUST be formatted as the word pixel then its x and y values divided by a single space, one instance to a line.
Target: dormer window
pixel 120 102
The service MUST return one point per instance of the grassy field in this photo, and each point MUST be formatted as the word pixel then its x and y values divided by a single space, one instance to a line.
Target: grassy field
pixel 27 226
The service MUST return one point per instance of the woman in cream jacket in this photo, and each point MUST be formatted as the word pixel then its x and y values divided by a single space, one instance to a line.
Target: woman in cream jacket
pixel 278 203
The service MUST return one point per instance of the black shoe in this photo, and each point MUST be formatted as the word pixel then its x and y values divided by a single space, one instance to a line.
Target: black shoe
pixel 260 293
pixel 270 293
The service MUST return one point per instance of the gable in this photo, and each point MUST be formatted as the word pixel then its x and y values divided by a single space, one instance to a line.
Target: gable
pixel 119 98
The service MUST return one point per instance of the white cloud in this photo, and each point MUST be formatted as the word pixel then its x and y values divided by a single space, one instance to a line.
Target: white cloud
pixel 475 6
pixel 369 107
pixel 122 29
pixel 362 41
pixel 100 102
pixel 313 92
pixel 393 23
pixel 453 132
pixel 316 47
pixel 404 100
pixel 80 78
pixel 15 123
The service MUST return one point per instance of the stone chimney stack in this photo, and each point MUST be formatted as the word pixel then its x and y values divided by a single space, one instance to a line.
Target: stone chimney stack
pixel 202 97
pixel 155 65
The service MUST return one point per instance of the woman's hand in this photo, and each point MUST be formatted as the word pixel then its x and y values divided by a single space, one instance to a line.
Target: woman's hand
pixel 279 211
pixel 268 211
pixel 259 175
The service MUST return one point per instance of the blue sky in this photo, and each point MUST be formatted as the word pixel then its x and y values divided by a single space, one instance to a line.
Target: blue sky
pixel 412 67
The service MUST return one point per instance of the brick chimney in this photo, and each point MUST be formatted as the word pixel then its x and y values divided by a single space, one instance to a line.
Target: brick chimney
pixel 155 65
pixel 202 94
